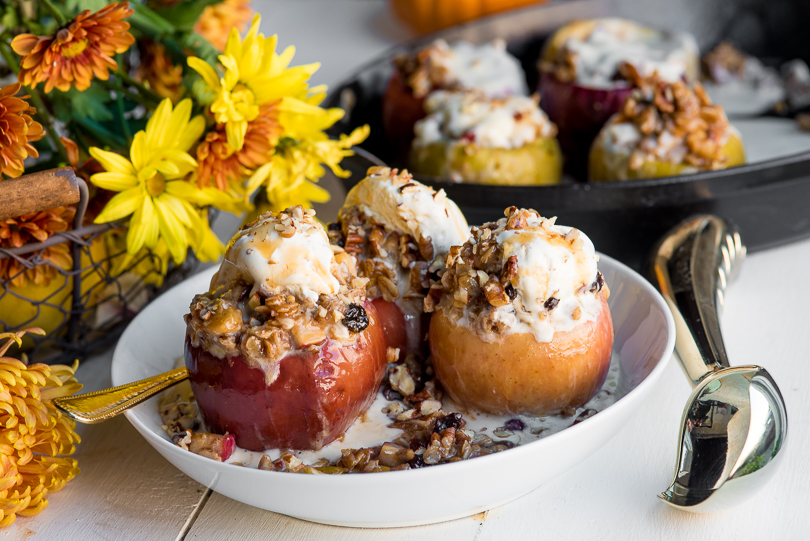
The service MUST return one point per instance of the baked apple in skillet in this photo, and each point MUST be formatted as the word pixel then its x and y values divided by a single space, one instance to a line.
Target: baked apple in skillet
pixel 664 129
pixel 399 230
pixel 469 137
pixel 486 67
pixel 284 350
pixel 581 83
pixel 520 321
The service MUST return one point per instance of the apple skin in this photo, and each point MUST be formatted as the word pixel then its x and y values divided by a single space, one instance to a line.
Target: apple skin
pixel 400 111
pixel 515 374
pixel 393 322
pixel 579 113
pixel 396 330
pixel 317 395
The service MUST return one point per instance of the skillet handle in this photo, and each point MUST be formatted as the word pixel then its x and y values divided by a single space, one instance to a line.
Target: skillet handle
pixel 691 266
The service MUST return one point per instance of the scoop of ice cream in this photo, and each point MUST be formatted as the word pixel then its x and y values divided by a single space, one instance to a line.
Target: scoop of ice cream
pixel 472 117
pixel 487 67
pixel 405 205
pixel 597 56
pixel 556 270
pixel 522 274
pixel 285 252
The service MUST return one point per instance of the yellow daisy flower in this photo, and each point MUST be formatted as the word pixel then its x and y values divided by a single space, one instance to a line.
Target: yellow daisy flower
pixel 289 177
pixel 255 75
pixel 151 184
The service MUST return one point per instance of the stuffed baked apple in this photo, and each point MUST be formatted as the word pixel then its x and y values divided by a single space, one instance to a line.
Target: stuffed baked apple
pixel 284 350
pixel 520 319
pixel 582 84
pixel 665 129
pixel 439 66
pixel 400 231
pixel 469 137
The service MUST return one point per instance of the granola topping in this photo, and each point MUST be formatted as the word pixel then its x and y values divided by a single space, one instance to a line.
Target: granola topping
pixel 667 122
pixel 520 274
pixel 397 228
pixel 487 67
pixel 593 60
pixel 472 117
pixel 280 288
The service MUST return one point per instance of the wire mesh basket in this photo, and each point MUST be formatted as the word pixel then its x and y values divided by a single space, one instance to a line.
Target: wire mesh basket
pixel 85 305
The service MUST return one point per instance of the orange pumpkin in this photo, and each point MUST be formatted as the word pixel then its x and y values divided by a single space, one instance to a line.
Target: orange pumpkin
pixel 426 16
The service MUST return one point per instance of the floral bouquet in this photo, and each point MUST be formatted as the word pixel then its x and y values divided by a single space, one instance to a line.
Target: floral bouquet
pixel 167 113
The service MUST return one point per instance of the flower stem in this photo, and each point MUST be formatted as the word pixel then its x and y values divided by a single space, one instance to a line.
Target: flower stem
pixel 120 89
pixel 141 88
pixel 44 116
pixel 119 101
pixel 60 18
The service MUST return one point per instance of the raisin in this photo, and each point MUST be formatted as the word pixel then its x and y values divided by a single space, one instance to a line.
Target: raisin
pixel 515 425
pixel 334 226
pixel 417 462
pixel 599 283
pixel 355 318
pixel 389 393
pixel 510 291
pixel 454 420
pixel 551 303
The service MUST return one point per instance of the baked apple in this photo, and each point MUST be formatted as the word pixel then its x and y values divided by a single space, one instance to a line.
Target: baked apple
pixel 469 137
pixel 399 230
pixel 521 323
pixel 664 129
pixel 581 82
pixel 439 66
pixel 284 350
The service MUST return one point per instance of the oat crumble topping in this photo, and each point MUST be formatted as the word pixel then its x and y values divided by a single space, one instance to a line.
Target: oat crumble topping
pixel 678 114
pixel 263 322
pixel 480 284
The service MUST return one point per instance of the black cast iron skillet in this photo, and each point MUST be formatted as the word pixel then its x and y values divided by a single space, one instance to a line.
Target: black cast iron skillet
pixel 768 200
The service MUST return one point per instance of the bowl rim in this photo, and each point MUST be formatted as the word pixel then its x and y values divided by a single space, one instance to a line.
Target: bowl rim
pixel 161 442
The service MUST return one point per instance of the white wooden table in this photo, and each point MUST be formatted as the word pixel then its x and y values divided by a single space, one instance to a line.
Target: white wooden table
pixel 127 491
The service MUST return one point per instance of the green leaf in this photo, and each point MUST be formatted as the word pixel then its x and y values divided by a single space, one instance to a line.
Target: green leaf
pixel 184 15
pixel 9 18
pixel 91 103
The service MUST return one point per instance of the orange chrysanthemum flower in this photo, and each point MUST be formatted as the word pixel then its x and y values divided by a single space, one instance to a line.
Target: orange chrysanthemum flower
pixel 216 21
pixel 17 131
pixel 81 49
pixel 36 439
pixel 36 227
pixel 159 72
pixel 219 165
pixel 261 136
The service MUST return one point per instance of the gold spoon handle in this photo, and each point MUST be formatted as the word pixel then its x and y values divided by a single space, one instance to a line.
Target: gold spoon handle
pixel 101 405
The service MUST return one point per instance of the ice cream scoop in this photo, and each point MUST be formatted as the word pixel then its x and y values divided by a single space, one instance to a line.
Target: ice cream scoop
pixel 734 424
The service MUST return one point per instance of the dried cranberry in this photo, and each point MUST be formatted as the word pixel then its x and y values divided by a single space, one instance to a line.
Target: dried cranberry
pixel 468 137
pixel 355 318
pixel 454 420
pixel 551 303
pixel 516 425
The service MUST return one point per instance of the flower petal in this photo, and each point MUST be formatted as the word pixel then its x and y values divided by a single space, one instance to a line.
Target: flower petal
pixel 205 70
pixel 122 205
pixel 114 181
pixel 112 161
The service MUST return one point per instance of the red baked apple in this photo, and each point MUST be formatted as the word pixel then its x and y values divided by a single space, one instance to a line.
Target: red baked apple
pixel 318 393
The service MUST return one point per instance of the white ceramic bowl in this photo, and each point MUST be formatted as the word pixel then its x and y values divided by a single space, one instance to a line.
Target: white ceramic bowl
pixel 645 337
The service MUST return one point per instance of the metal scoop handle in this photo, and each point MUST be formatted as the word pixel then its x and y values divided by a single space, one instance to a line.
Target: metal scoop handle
pixel 691 268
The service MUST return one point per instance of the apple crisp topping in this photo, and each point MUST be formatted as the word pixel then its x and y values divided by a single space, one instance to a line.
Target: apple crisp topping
pixel 264 320
pixel 522 273
pixel 673 116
